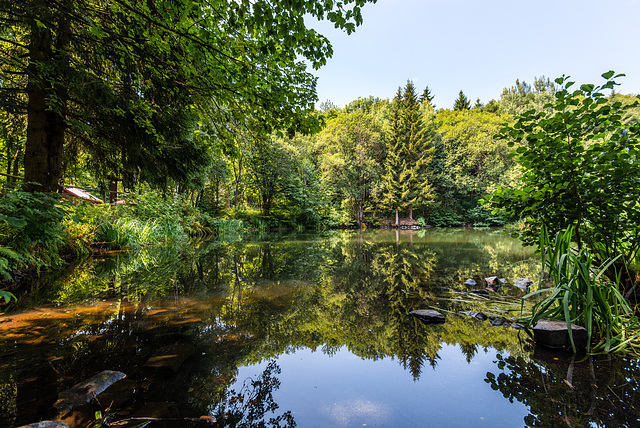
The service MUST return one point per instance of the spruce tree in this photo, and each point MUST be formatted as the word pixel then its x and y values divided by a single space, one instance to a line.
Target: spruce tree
pixel 407 182
pixel 427 97
pixel 417 152
pixel 462 102
pixel 393 184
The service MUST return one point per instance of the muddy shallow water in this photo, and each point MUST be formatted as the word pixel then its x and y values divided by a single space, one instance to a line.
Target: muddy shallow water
pixel 307 330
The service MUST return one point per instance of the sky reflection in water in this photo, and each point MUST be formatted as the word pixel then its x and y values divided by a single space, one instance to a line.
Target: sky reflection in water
pixel 343 390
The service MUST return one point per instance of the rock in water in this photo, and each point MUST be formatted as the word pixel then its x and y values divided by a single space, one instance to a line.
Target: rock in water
pixel 498 321
pixel 493 281
pixel 555 334
pixel 473 314
pixel 523 283
pixel 83 392
pixel 429 316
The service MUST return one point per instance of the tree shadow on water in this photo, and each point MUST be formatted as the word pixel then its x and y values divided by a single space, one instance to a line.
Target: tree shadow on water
pixel 253 403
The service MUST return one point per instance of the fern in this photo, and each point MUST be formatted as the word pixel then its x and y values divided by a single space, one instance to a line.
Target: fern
pixel 5 266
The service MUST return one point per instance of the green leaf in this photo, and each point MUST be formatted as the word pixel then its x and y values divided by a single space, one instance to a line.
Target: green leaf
pixel 608 75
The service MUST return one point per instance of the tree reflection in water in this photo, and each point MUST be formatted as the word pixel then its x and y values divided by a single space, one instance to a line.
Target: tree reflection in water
pixel 242 304
pixel 561 389
pixel 248 407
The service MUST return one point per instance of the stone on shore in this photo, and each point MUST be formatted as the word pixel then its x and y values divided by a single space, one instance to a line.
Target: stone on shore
pixel 470 282
pixel 555 334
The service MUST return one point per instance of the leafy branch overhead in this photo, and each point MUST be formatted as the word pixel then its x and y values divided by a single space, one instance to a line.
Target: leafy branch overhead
pixel 101 77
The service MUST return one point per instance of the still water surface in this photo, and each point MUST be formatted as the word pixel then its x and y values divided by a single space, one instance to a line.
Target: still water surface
pixel 308 330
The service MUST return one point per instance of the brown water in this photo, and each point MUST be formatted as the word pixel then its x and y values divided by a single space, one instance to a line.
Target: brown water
pixel 312 330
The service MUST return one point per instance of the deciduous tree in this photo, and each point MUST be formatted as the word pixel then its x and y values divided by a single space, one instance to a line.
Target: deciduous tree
pixel 85 64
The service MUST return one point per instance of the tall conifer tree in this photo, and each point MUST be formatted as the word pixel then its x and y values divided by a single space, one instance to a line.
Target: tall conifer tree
pixel 462 102
pixel 407 183
pixel 427 97
pixel 393 185
pixel 417 152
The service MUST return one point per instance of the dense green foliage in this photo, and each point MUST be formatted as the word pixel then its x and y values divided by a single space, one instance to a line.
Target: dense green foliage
pixel 581 168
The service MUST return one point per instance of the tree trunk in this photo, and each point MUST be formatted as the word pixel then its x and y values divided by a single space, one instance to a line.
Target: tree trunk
pixel 16 164
pixel 397 218
pixel 238 177
pixel 411 213
pixel 45 118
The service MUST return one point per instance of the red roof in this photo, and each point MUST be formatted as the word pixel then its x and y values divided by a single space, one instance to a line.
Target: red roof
pixel 81 194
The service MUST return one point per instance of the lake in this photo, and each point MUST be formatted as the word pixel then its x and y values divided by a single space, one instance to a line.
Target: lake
pixel 308 330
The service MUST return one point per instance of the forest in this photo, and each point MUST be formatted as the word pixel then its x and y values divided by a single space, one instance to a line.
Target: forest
pixel 200 117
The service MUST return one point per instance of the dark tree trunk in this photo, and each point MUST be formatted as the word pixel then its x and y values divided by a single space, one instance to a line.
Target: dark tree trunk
pixel 45 119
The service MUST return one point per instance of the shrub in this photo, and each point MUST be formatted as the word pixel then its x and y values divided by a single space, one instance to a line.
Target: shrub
pixel 445 217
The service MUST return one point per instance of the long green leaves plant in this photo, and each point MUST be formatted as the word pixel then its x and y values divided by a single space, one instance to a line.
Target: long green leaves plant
pixel 583 295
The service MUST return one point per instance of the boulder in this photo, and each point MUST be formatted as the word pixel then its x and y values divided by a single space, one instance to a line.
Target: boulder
pixel 470 282
pixel 429 316
pixel 555 334
pixel 83 392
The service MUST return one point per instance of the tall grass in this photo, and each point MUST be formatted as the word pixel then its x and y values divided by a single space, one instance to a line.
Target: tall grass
pixel 130 233
pixel 584 296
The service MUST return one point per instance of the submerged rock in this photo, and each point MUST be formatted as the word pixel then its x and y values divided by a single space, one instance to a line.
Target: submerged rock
pixel 83 392
pixel 429 316
pixel 555 334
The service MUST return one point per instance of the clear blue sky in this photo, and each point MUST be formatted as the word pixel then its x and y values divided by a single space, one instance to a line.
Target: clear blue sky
pixel 480 47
